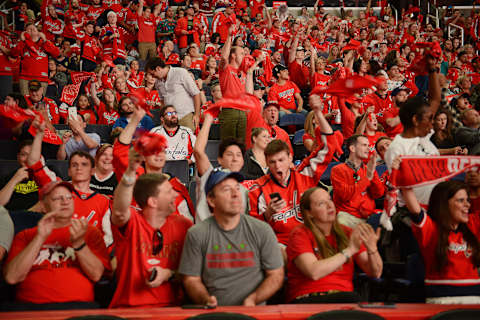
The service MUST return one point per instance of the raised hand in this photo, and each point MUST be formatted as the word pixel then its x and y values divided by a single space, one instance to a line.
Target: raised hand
pixel 78 229
pixel 46 225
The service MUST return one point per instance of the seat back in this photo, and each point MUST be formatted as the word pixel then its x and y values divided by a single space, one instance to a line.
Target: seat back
pixel 7 167
pixel 457 314
pixel 179 169
pixel 345 315
pixel 212 149
pixel 60 167
pixel 221 316
pixel 9 149
pixel 103 130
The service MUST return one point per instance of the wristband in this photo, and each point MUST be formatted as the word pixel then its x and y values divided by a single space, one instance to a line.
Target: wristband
pixel 372 253
pixel 128 181
pixel 81 247
pixel 346 255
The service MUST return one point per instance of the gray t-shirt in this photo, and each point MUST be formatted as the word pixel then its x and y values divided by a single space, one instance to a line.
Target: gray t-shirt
pixel 230 263
pixel 6 229
pixel 73 145
pixel 203 212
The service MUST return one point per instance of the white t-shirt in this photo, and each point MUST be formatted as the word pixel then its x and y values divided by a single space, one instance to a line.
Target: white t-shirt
pixel 418 146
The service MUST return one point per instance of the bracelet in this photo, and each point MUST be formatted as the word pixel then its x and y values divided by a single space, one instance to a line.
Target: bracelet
pixel 346 255
pixel 128 181
pixel 81 247
pixel 372 253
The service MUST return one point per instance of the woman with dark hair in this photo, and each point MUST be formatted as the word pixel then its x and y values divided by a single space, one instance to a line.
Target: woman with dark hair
pixel 443 136
pixel 255 164
pixel 320 265
pixel 107 107
pixel 84 107
pixel 448 238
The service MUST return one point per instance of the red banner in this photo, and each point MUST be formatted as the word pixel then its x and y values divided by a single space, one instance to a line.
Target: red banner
pixel 70 93
pixel 49 137
pixel 416 171
pixel 16 114
pixel 80 76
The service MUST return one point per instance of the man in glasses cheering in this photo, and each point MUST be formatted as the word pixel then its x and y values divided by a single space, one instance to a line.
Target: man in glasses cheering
pixel 180 139
pixel 149 241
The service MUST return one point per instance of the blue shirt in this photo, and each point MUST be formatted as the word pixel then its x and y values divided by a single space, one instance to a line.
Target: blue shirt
pixel 146 123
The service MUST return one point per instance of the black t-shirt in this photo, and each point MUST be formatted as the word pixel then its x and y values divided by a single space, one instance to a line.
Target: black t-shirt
pixel 106 187
pixel 24 219
pixel 24 196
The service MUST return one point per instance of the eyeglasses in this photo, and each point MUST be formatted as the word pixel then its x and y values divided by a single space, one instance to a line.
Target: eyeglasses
pixel 157 242
pixel 62 198
pixel 171 113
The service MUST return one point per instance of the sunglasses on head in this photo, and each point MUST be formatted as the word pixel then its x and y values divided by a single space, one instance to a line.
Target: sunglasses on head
pixel 157 242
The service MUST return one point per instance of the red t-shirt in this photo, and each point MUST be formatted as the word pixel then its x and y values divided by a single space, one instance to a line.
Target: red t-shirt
pixel 105 116
pixel 301 240
pixel 284 94
pixel 56 275
pixel 299 74
pixel 372 140
pixel 134 243
pixel 392 131
pixel 146 29
pixel 232 83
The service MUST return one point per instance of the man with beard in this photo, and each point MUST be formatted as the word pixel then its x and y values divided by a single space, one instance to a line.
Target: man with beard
pixel 356 185
pixel 392 120
pixel 180 139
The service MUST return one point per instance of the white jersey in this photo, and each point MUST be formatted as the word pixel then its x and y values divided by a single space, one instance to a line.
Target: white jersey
pixel 180 142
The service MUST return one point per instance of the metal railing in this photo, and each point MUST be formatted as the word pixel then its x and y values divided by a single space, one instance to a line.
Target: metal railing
pixel 454 26
pixel 432 15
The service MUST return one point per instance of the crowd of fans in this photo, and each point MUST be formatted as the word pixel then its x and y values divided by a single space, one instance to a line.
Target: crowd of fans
pixel 258 222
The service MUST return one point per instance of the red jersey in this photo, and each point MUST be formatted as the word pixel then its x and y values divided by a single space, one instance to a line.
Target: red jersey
pixel 353 192
pixel 56 274
pixel 135 79
pixel 381 105
pixel 390 114
pixel 319 79
pixel 91 48
pixel 301 241
pixel 94 12
pixel 93 116
pixel 34 55
pixel 300 74
pixel 459 271
pixel 172 59
pixel 73 17
pixel 50 106
pixel 304 177
pixel 152 98
pixel 5 63
pixel 52 28
pixel 284 95
pixel 256 7
pixel 147 28
pixel 114 48
pixel 105 116
pixel 184 205
pixel 372 140
pixel 94 207
pixel 134 243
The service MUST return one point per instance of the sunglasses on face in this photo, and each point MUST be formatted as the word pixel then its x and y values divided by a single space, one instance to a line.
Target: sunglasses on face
pixel 157 242
pixel 171 113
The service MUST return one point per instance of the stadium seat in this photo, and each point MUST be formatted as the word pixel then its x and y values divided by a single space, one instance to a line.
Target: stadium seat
pixel 7 167
pixel 9 149
pixel 212 149
pixel 457 314
pixel 292 119
pixel 60 167
pixel 192 192
pixel 214 133
pixel 155 116
pixel 298 137
pixel 221 316
pixel 179 169
pixel 103 130
pixel 326 175
pixel 345 315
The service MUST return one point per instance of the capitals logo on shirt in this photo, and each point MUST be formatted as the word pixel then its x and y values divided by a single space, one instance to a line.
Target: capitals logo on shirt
pixel 291 211
pixel 287 94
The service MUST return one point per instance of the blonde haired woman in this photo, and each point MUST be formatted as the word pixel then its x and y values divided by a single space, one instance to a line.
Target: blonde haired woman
pixel 320 265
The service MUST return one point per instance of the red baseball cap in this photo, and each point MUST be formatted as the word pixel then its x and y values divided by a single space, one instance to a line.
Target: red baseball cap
pixel 46 189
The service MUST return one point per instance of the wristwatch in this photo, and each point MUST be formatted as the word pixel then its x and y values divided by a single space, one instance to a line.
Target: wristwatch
pixel 128 180
pixel 346 255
